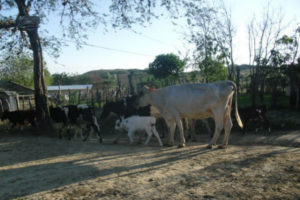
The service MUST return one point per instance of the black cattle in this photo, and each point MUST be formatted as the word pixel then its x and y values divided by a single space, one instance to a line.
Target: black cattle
pixel 124 108
pixel 20 117
pixel 58 115
pixel 78 116
pixel 117 107
pixel 255 114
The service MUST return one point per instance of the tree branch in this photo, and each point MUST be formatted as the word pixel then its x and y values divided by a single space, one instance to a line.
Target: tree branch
pixel 7 23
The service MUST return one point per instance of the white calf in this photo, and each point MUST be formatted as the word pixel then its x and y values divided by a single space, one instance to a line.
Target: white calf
pixel 137 123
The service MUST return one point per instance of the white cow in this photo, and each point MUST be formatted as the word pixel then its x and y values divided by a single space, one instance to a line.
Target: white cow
pixel 194 101
pixel 138 123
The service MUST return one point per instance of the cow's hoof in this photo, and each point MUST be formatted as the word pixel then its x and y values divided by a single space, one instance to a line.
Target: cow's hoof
pixel 209 146
pixel 100 140
pixel 180 145
pixel 222 146
pixel 168 145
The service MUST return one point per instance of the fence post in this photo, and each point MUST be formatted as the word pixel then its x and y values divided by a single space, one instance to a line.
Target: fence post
pixel 79 96
pixel 69 91
pixel 87 95
pixel 92 98
pixel 23 102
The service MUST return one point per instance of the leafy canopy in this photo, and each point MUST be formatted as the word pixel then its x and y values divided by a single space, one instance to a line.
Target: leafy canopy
pixel 19 69
pixel 213 70
pixel 166 65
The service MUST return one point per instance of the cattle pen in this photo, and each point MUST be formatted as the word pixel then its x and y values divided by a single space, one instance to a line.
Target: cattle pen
pixel 259 165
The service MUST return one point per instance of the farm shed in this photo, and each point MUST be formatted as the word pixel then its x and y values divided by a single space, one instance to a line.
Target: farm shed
pixel 9 101
pixel 13 94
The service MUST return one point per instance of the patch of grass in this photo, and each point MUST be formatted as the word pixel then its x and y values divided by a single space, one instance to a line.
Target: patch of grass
pixel 283 101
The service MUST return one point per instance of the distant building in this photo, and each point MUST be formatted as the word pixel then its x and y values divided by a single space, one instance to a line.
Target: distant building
pixel 56 88
pixel 64 91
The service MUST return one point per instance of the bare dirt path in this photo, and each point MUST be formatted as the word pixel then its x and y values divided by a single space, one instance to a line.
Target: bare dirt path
pixel 253 167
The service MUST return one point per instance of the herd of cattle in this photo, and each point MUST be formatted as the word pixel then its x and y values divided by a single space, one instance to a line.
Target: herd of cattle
pixel 139 112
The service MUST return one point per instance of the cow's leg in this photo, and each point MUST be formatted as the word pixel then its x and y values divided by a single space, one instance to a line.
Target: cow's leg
pixel 181 134
pixel 171 126
pixel 171 133
pixel 96 128
pixel 228 126
pixel 89 131
pixel 219 124
pixel 130 136
pixel 192 123
pixel 154 131
pixel 149 134
pixel 98 134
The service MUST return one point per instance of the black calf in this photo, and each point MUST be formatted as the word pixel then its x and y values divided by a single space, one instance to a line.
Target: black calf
pixel 256 114
pixel 20 117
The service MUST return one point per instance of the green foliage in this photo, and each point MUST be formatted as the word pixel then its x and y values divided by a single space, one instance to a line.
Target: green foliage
pixel 166 65
pixel 19 69
pixel 69 79
pixel 283 101
pixel 212 70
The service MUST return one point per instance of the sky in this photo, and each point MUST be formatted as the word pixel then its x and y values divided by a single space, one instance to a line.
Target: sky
pixel 126 49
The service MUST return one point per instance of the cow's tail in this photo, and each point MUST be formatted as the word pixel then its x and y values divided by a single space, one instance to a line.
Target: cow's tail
pixel 237 116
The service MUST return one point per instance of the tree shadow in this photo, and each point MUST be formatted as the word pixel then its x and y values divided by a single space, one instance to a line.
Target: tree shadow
pixel 23 176
pixel 23 179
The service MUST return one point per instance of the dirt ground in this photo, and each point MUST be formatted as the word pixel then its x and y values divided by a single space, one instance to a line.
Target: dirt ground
pixel 255 166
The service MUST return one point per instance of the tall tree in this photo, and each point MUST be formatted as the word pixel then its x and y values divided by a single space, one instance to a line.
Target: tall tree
pixel 212 32
pixel 262 37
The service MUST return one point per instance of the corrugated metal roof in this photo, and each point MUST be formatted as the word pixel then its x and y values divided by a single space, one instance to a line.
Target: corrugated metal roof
pixel 69 87
pixel 12 86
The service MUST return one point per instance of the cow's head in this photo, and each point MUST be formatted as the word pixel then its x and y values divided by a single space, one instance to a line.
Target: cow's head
pixel 143 97
pixel 118 124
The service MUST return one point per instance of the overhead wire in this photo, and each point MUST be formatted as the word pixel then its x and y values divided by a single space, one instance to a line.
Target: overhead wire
pixel 114 49
pixel 108 48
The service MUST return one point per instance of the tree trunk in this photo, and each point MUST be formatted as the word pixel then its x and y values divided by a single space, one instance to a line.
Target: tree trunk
pixel 131 88
pixel 118 93
pixel 40 90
